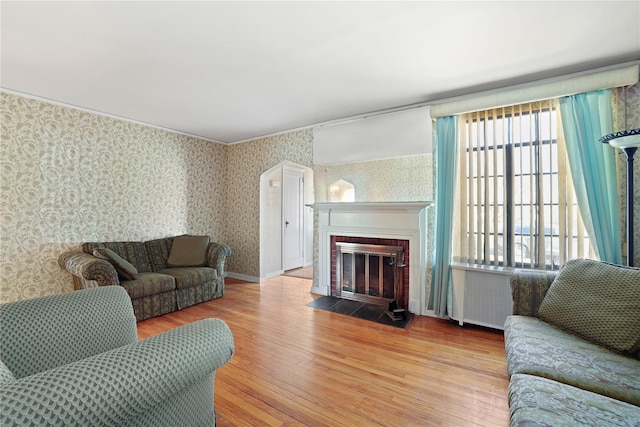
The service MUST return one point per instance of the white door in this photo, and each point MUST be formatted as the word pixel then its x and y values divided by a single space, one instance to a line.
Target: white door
pixel 292 219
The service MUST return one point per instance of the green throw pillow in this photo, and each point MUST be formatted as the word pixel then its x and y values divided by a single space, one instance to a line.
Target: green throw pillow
pixel 188 251
pixel 598 301
pixel 125 269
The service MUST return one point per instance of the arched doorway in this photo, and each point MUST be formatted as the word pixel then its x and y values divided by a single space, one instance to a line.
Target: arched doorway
pixel 286 223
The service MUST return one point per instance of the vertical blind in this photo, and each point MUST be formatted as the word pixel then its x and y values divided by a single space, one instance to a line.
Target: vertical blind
pixel 515 201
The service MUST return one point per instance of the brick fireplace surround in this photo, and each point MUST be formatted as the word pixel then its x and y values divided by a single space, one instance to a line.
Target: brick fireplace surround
pixel 387 223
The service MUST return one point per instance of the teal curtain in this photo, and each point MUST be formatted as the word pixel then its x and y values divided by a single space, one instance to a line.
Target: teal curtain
pixel 445 159
pixel 585 118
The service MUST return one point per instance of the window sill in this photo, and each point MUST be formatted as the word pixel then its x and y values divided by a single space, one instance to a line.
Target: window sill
pixel 479 267
pixel 495 269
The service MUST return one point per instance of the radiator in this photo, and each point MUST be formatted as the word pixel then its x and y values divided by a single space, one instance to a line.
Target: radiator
pixel 481 297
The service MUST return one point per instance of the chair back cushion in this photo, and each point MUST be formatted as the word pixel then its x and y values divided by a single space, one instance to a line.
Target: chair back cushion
pixel 46 332
pixel 158 252
pixel 597 301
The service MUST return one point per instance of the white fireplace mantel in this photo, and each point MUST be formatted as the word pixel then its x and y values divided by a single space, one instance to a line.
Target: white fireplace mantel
pixel 369 206
pixel 384 220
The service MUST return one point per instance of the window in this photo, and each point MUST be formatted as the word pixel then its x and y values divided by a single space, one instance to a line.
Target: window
pixel 516 205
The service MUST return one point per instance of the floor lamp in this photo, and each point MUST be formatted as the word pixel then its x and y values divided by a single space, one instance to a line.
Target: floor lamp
pixel 628 141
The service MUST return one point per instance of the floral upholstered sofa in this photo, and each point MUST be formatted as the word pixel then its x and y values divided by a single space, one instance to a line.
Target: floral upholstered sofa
pixel 160 276
pixel 573 346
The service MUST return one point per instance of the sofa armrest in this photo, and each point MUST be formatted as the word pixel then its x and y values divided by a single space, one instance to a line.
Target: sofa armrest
pixel 119 385
pixel 528 288
pixel 216 256
pixel 43 333
pixel 88 270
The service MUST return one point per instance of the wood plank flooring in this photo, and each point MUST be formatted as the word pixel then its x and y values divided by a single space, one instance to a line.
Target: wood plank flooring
pixel 296 365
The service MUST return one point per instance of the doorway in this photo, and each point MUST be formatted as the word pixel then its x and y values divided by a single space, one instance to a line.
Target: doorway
pixel 286 223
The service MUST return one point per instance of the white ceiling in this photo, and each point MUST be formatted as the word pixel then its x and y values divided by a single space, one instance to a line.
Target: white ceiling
pixel 233 71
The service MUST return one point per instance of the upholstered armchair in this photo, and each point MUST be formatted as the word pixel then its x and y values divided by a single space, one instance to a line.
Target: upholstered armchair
pixel 74 359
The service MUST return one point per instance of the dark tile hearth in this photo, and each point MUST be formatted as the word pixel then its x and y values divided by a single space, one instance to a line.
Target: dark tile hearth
pixel 361 310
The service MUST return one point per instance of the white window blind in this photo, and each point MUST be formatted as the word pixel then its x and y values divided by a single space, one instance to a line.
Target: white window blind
pixel 516 205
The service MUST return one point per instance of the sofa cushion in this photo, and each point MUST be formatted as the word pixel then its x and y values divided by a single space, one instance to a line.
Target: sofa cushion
pixel 598 301
pixel 188 251
pixel 124 268
pixel 134 252
pixel 158 252
pixel 535 401
pixel 538 348
pixel 188 277
pixel 149 284
pixel 6 376
pixel 528 288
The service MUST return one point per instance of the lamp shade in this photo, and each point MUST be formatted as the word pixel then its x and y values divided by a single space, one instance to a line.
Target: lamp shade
pixel 623 139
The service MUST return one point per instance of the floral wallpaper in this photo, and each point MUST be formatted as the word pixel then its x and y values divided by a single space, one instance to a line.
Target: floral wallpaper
pixel 633 122
pixel 245 163
pixel 400 180
pixel 70 176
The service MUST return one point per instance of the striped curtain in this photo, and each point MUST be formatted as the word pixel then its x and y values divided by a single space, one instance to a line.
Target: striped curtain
pixel 516 206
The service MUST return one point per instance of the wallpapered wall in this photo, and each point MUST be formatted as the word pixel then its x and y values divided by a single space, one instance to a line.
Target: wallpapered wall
pixel 633 122
pixel 401 179
pixel 245 163
pixel 69 176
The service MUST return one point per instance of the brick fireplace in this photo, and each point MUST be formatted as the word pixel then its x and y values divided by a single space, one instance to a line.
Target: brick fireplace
pixel 388 223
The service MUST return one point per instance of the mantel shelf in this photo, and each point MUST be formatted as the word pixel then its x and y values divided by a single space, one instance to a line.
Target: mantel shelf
pixel 370 206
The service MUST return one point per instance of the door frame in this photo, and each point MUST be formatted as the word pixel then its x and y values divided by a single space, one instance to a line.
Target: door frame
pixel 270 183
pixel 299 173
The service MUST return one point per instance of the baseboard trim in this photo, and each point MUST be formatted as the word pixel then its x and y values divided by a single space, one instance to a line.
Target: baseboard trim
pixel 274 274
pixel 244 277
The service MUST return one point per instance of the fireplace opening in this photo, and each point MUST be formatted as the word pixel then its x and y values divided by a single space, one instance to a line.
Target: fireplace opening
pixel 371 273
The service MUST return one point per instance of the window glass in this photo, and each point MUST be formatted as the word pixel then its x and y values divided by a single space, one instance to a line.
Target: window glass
pixel 511 177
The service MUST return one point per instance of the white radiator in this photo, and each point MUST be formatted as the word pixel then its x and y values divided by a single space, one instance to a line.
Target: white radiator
pixel 481 297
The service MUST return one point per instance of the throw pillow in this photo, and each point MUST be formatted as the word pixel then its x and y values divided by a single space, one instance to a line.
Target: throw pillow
pixel 125 269
pixel 597 301
pixel 188 251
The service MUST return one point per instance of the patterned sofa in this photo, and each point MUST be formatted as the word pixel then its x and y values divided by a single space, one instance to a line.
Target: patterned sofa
pixel 573 346
pixel 144 269
pixel 75 360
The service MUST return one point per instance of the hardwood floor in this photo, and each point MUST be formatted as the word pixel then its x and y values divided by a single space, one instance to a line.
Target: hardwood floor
pixel 296 365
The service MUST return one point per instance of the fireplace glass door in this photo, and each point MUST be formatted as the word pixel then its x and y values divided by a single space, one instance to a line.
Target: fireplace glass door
pixel 368 272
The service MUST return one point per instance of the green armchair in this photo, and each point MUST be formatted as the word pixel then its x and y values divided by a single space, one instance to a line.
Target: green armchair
pixel 74 359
